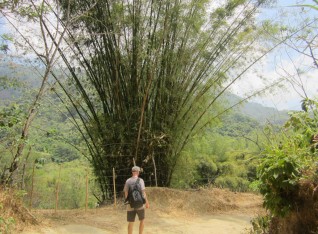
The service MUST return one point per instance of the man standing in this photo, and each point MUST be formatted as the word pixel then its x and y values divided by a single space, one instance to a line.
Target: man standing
pixel 132 212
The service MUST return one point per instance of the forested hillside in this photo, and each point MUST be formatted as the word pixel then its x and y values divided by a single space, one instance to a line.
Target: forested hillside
pixel 260 113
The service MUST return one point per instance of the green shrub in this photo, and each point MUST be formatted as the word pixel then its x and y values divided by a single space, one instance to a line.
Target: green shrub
pixel 207 170
pixel 6 224
pixel 71 180
pixel 279 173
pixel 64 153
pixel 288 158
pixel 260 225
pixel 233 183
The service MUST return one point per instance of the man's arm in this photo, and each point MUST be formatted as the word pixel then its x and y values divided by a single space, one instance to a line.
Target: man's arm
pixel 145 196
pixel 126 191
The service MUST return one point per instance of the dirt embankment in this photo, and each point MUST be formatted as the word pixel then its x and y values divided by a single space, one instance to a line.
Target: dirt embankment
pixel 205 201
pixel 172 211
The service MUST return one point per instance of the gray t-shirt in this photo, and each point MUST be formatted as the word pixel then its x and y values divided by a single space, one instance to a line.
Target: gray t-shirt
pixel 132 181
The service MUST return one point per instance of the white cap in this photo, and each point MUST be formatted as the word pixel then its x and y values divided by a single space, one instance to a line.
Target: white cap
pixel 135 168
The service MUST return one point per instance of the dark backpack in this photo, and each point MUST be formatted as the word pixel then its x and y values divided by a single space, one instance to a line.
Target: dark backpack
pixel 135 197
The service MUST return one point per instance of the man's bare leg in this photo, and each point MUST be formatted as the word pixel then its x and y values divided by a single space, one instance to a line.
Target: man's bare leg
pixel 130 227
pixel 141 226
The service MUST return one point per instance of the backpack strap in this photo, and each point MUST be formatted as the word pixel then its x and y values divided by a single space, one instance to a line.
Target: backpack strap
pixel 137 181
pixel 132 186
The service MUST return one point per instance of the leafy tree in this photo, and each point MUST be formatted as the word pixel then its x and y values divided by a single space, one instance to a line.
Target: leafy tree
pixel 64 153
pixel 219 160
pixel 207 170
pixel 47 55
pixel 240 125
pixel 71 177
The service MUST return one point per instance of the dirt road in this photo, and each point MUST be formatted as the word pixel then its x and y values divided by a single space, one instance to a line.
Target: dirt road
pixel 159 224
pixel 171 212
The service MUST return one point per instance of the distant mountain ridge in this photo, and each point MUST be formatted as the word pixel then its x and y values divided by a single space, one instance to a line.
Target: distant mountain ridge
pixel 257 111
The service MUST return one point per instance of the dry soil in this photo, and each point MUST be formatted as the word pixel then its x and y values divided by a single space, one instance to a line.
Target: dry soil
pixel 203 211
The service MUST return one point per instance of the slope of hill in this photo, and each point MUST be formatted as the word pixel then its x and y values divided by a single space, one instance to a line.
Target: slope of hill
pixel 260 113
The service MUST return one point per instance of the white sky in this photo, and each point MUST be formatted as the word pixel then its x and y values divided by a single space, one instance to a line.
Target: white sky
pixel 278 65
pixel 285 96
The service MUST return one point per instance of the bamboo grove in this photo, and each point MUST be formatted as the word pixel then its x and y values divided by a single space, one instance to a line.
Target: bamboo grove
pixel 144 75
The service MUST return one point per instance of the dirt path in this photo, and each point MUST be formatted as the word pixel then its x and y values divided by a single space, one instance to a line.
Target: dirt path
pixel 113 222
pixel 209 224
pixel 171 212
pixel 220 224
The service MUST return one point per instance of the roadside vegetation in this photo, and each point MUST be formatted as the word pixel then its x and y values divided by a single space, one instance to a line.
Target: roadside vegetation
pixel 287 175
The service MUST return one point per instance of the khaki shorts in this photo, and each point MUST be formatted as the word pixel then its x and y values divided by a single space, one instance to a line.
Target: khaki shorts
pixel 131 215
